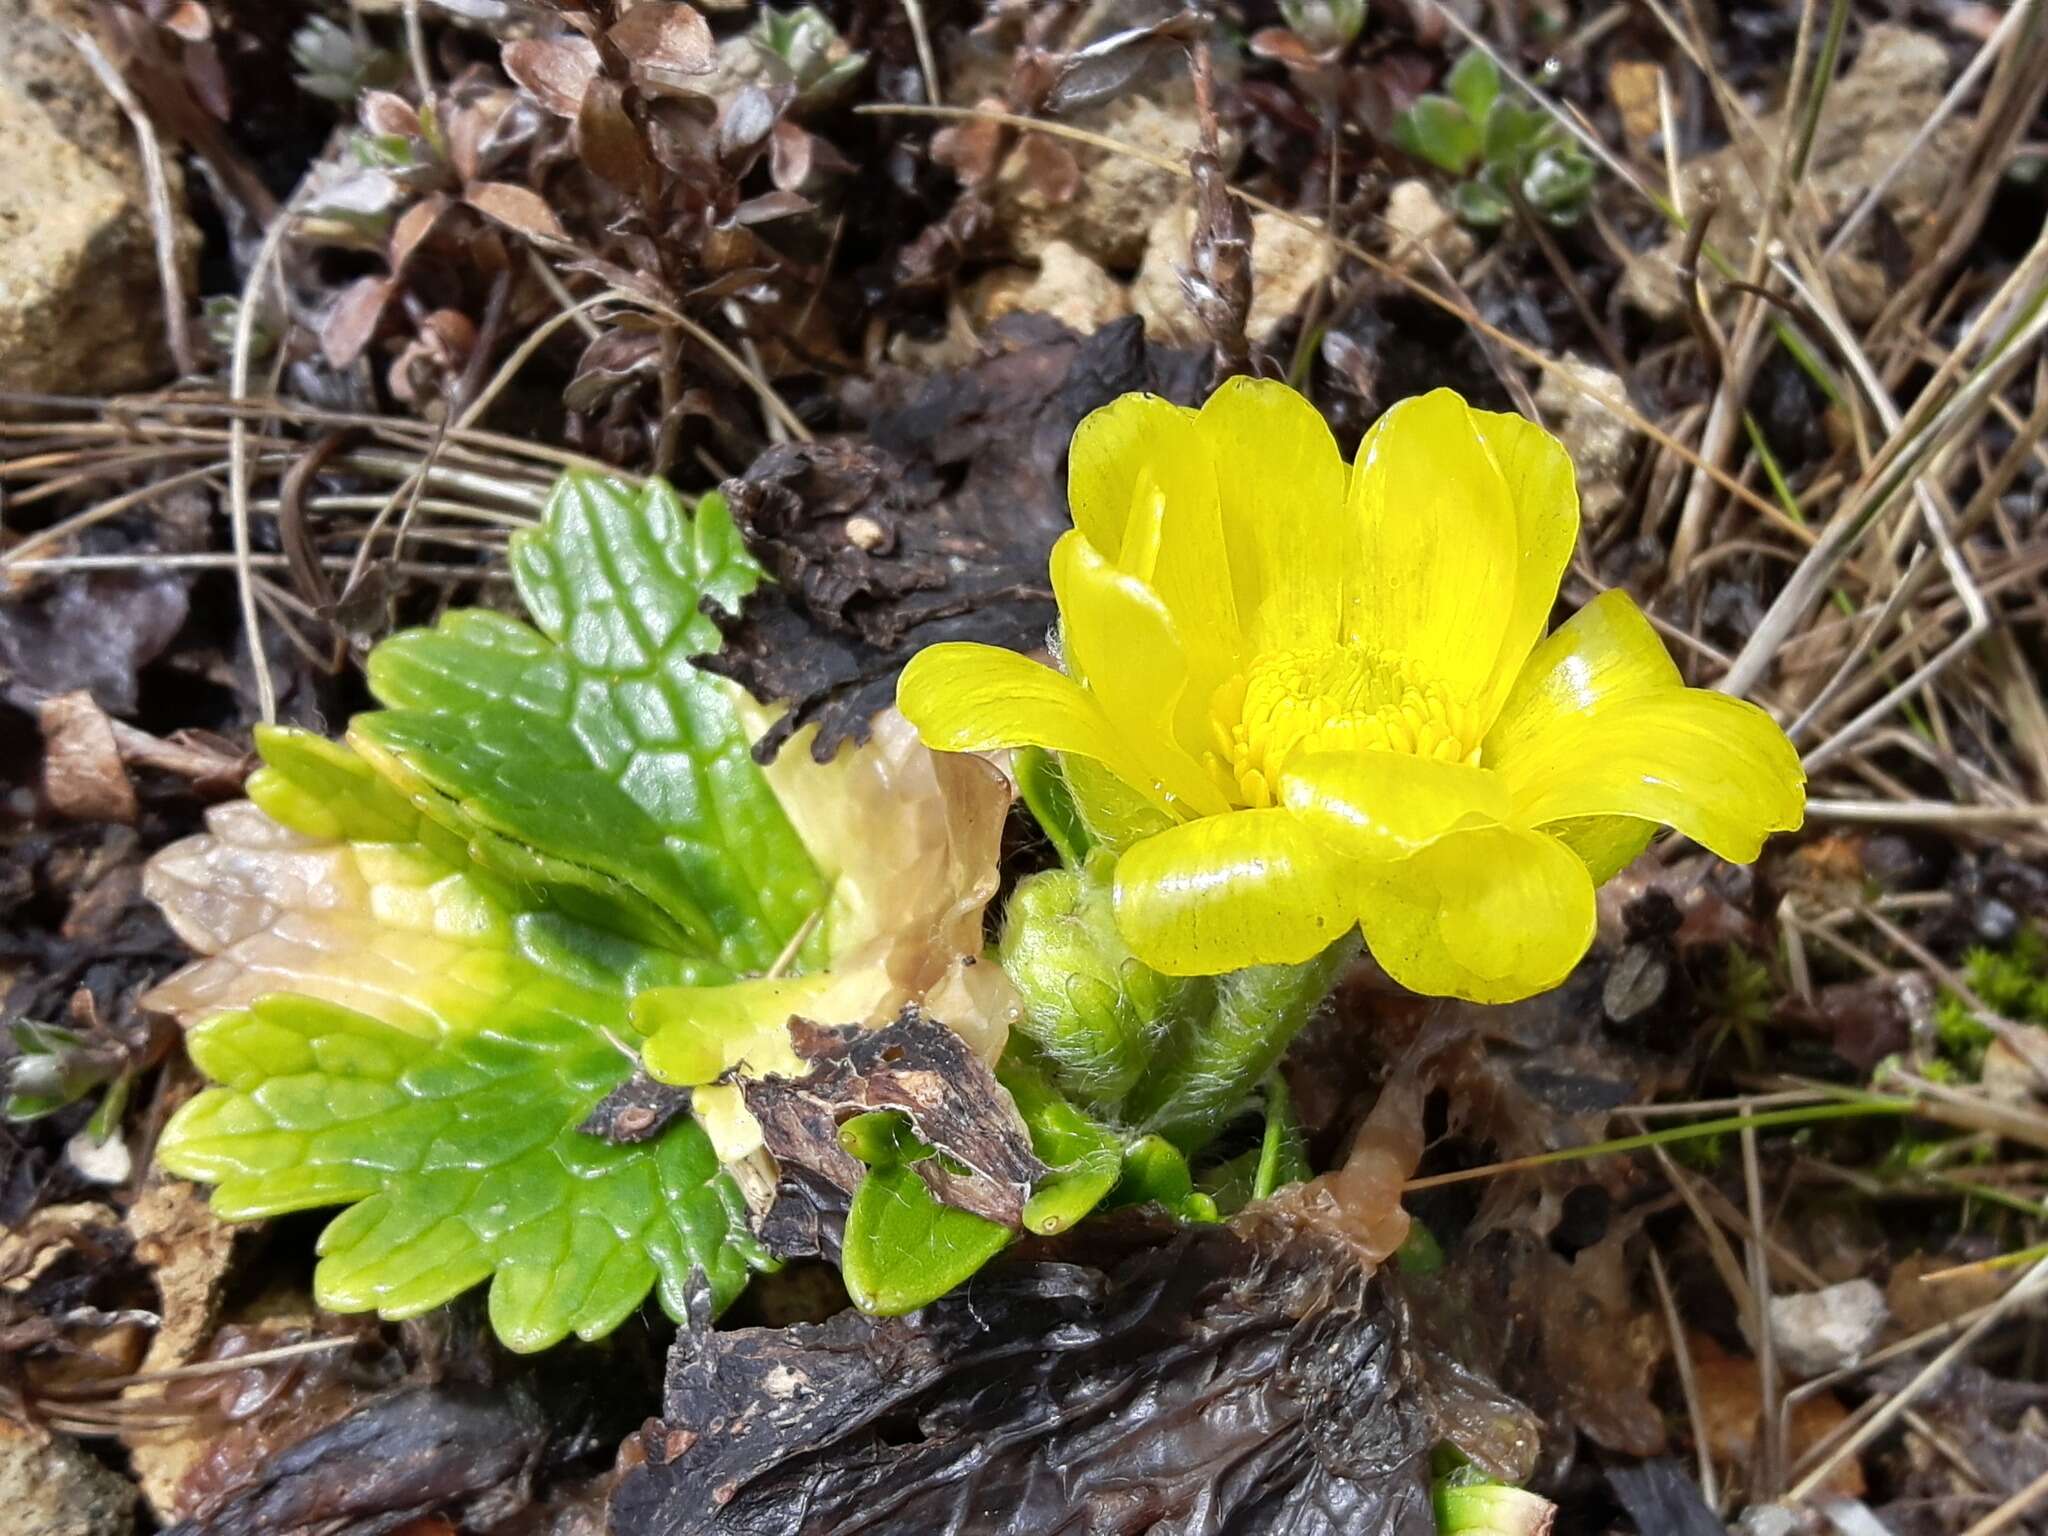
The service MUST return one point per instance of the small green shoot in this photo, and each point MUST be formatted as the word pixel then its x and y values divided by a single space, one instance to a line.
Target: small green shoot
pixel 1499 149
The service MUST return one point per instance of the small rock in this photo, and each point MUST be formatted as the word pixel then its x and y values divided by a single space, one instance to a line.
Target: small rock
pixel 1815 1332
pixel 1067 285
pixel 1602 445
pixel 38 63
pixel 1636 982
pixel 80 302
pixel 49 1487
pixel 1632 87
pixel 1106 209
pixel 1416 223
pixel 1288 263
pixel 1769 1520
pixel 1870 115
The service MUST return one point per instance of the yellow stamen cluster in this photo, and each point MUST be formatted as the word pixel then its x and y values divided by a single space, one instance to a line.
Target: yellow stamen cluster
pixel 1331 698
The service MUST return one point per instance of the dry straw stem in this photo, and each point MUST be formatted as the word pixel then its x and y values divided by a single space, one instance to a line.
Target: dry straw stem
pixel 2007 1515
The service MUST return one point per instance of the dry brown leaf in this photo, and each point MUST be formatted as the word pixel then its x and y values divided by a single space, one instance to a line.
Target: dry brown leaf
pixel 665 38
pixel 555 70
pixel 82 773
pixel 519 209
pixel 352 323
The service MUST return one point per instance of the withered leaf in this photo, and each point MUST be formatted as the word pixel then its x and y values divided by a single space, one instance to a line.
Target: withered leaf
pixel 746 123
pixel 609 141
pixel 1663 1496
pixel 94 631
pixel 614 361
pixel 415 1450
pixel 386 112
pixel 189 21
pixel 665 38
pixel 934 525
pixel 556 70
pixel 519 209
pixel 1115 64
pixel 83 777
pixel 777 204
pixel 1246 1379
pixel 352 322
pixel 639 1109
pixel 927 1072
pixel 413 226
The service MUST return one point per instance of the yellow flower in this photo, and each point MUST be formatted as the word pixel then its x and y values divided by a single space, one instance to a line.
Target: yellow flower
pixel 1300 695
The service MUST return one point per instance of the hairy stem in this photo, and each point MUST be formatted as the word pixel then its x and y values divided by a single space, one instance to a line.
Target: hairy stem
pixel 1203 1078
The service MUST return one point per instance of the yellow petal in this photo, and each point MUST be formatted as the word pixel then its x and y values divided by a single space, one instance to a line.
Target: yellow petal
pixel 976 698
pixel 1606 845
pixel 1491 915
pixel 1384 806
pixel 1280 483
pixel 1716 768
pixel 1135 437
pixel 1606 652
pixel 1122 645
pixel 1440 545
pixel 1247 888
pixel 1545 497
pixel 1143 490
pixel 1600 724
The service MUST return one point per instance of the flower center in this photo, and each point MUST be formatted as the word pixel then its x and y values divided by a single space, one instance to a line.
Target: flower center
pixel 1331 699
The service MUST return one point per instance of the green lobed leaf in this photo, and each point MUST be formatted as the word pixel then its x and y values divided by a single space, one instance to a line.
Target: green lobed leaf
pixel 591 739
pixel 420 1039
pixel 460 1161
pixel 1511 135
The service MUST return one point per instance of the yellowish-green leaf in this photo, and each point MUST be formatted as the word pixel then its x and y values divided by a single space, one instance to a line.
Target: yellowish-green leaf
pixel 592 740
pixel 409 1034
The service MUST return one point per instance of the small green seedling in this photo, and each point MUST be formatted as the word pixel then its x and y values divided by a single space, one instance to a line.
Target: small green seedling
pixel 1499 147
pixel 803 48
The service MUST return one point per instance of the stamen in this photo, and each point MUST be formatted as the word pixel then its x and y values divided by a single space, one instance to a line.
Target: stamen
pixel 1331 699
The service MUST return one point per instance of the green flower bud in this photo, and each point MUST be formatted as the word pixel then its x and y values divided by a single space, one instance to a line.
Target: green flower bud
pixel 1094 1011
pixel 1491 1509
pixel 1328 26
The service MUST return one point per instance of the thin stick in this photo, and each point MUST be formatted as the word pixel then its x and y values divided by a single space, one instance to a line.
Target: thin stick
pixel 1818 1112
pixel 1771 1474
pixel 1939 811
pixel 222 1367
pixel 260 271
pixel 914 10
pixel 2008 1513
pixel 163 222
pixel 1688 1383
pixel 416 47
